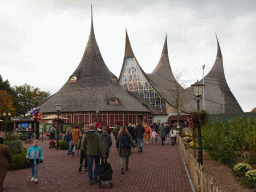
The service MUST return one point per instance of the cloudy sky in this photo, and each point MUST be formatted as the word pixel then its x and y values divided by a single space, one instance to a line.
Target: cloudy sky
pixel 42 41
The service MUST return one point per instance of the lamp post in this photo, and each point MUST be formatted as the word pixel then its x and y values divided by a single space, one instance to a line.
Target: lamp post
pixel 58 108
pixel 203 89
pixel 197 91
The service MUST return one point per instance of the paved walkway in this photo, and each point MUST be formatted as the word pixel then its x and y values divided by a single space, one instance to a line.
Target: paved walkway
pixel 159 168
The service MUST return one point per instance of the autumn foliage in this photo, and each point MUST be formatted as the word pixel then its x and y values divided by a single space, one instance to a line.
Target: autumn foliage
pixel 7 102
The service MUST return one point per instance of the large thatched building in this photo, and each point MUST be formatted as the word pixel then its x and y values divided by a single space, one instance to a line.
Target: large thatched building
pixel 92 91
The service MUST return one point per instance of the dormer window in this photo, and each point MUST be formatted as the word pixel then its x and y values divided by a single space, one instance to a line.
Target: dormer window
pixel 114 80
pixel 113 101
pixel 72 79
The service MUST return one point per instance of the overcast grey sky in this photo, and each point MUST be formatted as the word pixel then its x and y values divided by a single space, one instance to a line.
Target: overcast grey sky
pixel 42 41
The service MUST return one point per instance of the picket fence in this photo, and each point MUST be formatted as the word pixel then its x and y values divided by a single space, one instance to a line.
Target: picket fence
pixel 202 182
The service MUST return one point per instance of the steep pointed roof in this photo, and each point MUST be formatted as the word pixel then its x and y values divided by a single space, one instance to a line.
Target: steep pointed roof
pixel 217 91
pixel 93 87
pixel 128 48
pixel 162 77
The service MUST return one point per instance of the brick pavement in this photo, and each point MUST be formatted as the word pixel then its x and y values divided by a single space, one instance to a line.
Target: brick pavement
pixel 158 168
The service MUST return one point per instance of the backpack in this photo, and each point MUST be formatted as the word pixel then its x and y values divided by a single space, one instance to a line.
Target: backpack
pixel 125 142
pixel 147 130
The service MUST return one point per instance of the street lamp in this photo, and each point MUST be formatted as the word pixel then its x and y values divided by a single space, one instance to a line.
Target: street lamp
pixel 198 91
pixel 58 108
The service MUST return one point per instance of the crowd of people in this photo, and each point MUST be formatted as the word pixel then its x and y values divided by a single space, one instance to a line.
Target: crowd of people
pixel 94 142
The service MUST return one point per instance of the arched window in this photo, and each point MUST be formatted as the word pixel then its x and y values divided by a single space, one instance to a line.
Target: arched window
pixel 113 101
pixel 72 79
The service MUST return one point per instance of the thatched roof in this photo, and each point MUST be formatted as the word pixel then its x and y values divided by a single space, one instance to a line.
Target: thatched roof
pixel 95 85
pixel 215 86
pixel 162 77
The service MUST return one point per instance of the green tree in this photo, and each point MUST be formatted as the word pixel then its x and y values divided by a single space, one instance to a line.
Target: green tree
pixel 7 102
pixel 28 98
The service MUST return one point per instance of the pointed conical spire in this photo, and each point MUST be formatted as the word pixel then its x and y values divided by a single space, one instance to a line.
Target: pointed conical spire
pixel 219 55
pixel 165 49
pixel 128 48
pixel 163 66
pixel 92 40
pixel 217 70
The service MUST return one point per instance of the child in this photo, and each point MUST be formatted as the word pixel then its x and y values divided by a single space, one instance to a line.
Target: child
pixel 173 136
pixel 106 140
pixel 153 136
pixel 34 157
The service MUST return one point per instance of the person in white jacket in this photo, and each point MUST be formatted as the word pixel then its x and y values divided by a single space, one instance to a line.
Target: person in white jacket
pixel 173 136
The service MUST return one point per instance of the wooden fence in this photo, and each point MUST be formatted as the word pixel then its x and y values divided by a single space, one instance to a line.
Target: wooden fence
pixel 202 182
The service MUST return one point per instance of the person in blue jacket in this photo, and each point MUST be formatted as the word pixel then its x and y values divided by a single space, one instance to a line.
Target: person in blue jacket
pixel 34 157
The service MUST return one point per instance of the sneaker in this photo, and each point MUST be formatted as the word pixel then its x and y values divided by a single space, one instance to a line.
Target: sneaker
pixel 126 169
pixel 122 171
pixel 68 153
pixel 36 180
pixel 32 179
pixel 85 169
pixel 141 149
pixel 96 180
pixel 73 153
pixel 91 182
pixel 80 168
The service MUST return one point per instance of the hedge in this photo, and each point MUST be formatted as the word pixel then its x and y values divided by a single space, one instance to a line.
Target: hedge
pixel 18 161
pixel 15 145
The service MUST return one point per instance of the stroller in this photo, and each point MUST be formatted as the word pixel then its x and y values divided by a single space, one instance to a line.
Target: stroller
pixel 105 172
pixel 52 144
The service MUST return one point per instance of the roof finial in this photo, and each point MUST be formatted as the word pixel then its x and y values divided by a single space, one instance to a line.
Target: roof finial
pixel 219 55
pixel 165 48
pixel 91 15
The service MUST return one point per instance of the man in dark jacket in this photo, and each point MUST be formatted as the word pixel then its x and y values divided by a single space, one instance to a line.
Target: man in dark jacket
pixel 139 130
pixel 92 144
pixel 116 130
pixel 5 158
pixel 106 139
pixel 155 126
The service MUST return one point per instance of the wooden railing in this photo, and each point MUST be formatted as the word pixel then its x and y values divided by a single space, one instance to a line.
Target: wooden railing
pixel 202 182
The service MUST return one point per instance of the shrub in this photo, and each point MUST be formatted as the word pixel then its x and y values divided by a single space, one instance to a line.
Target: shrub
pixel 251 175
pixel 219 141
pixel 242 168
pixel 18 161
pixel 9 137
pixel 63 144
pixel 16 146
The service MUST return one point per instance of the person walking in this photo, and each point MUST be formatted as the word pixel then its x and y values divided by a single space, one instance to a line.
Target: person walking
pixel 106 140
pixel 5 158
pixel 83 152
pixel 75 137
pixel 131 131
pixel 147 133
pixel 162 132
pixel 34 157
pixel 153 136
pixel 173 136
pixel 167 130
pixel 68 138
pixel 124 143
pixel 139 130
pixel 92 144
pixel 97 123
pixel 52 132
pixel 116 130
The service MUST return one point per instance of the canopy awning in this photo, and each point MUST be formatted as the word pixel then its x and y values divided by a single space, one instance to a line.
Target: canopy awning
pixel 53 117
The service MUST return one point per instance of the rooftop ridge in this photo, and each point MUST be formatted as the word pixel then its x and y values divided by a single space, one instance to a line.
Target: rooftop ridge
pixel 128 48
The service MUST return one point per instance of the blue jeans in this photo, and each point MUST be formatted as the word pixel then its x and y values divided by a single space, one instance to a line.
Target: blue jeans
pixel 116 137
pixel 34 170
pixel 167 137
pixel 140 143
pixel 70 146
pixel 90 163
